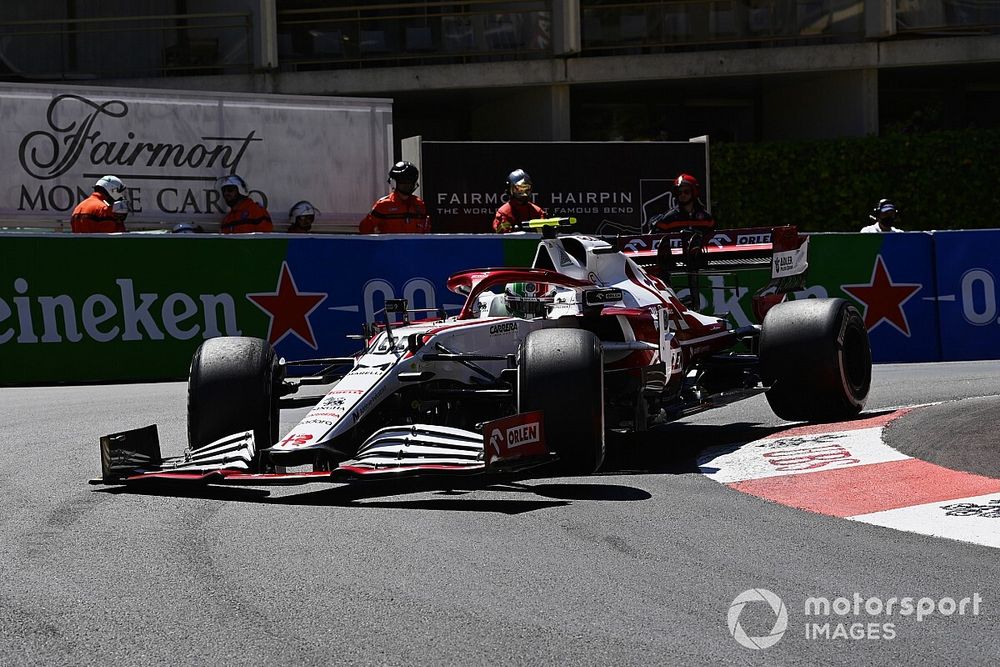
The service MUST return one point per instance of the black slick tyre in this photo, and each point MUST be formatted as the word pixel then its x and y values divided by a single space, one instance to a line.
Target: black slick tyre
pixel 816 357
pixel 561 373
pixel 232 387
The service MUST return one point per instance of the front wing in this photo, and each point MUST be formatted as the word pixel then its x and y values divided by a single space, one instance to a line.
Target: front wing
pixel 415 450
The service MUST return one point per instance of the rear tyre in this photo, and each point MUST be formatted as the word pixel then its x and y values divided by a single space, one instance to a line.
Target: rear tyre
pixel 816 356
pixel 561 373
pixel 233 386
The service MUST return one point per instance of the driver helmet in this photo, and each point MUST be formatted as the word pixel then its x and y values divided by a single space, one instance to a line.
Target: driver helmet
pixel 112 185
pixel 689 181
pixel 519 185
pixel 405 175
pixel 529 299
pixel 885 211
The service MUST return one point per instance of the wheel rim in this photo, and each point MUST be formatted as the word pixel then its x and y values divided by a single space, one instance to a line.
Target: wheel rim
pixel 856 360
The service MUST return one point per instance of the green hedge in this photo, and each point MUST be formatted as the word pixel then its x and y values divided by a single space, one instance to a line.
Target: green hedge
pixel 941 180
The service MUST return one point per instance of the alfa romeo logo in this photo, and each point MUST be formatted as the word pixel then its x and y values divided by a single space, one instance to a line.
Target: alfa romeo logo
pixel 780 621
pixel 497 441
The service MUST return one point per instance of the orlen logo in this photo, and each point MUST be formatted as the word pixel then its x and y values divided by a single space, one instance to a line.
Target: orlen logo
pixel 515 436
pixel 749 239
pixel 525 434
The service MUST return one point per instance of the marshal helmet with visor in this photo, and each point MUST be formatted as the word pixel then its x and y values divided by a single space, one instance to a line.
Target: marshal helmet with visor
pixel 404 175
pixel 519 185
pixel 112 185
pixel 233 181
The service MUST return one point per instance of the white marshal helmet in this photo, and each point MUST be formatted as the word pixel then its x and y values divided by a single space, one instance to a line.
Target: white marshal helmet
pixel 301 208
pixel 112 185
pixel 120 207
pixel 235 180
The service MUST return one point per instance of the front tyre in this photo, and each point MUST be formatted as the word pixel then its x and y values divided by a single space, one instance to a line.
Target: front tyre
pixel 561 373
pixel 233 386
pixel 815 355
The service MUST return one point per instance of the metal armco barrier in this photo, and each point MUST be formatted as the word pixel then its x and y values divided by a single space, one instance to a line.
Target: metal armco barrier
pixel 135 307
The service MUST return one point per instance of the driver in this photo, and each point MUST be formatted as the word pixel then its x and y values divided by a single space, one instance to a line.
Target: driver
pixel 529 300
pixel 519 207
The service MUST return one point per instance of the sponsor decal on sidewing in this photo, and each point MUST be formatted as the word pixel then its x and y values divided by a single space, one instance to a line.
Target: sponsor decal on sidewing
pixel 504 328
pixel 517 436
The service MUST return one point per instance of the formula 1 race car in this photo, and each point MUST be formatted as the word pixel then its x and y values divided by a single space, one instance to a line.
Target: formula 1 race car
pixel 539 364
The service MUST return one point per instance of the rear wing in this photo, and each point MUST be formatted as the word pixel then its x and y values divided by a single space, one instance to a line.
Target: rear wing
pixel 724 248
pixel 691 252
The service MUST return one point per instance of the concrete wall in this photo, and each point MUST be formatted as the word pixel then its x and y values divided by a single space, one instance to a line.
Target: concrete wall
pixel 834 85
pixel 539 113
pixel 820 106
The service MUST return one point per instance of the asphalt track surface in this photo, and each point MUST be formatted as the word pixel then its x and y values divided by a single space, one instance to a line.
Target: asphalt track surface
pixel 636 565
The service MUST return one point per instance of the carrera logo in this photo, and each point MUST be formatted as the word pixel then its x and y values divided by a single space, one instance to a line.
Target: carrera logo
pixel 505 328
pixel 524 434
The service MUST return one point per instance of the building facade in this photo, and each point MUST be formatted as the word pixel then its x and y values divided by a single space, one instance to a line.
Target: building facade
pixel 735 70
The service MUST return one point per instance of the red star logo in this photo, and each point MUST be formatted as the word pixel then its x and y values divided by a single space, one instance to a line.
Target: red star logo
pixel 288 309
pixel 884 299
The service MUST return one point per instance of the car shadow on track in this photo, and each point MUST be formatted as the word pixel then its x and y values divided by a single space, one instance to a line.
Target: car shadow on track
pixel 675 449
pixel 681 448
pixel 456 498
pixel 176 490
pixel 448 494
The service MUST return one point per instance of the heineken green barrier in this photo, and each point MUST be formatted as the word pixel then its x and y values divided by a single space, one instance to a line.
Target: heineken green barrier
pixel 135 307
pixel 86 309
pixel 888 277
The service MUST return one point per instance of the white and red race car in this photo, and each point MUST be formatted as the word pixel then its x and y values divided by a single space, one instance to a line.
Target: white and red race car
pixel 539 364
